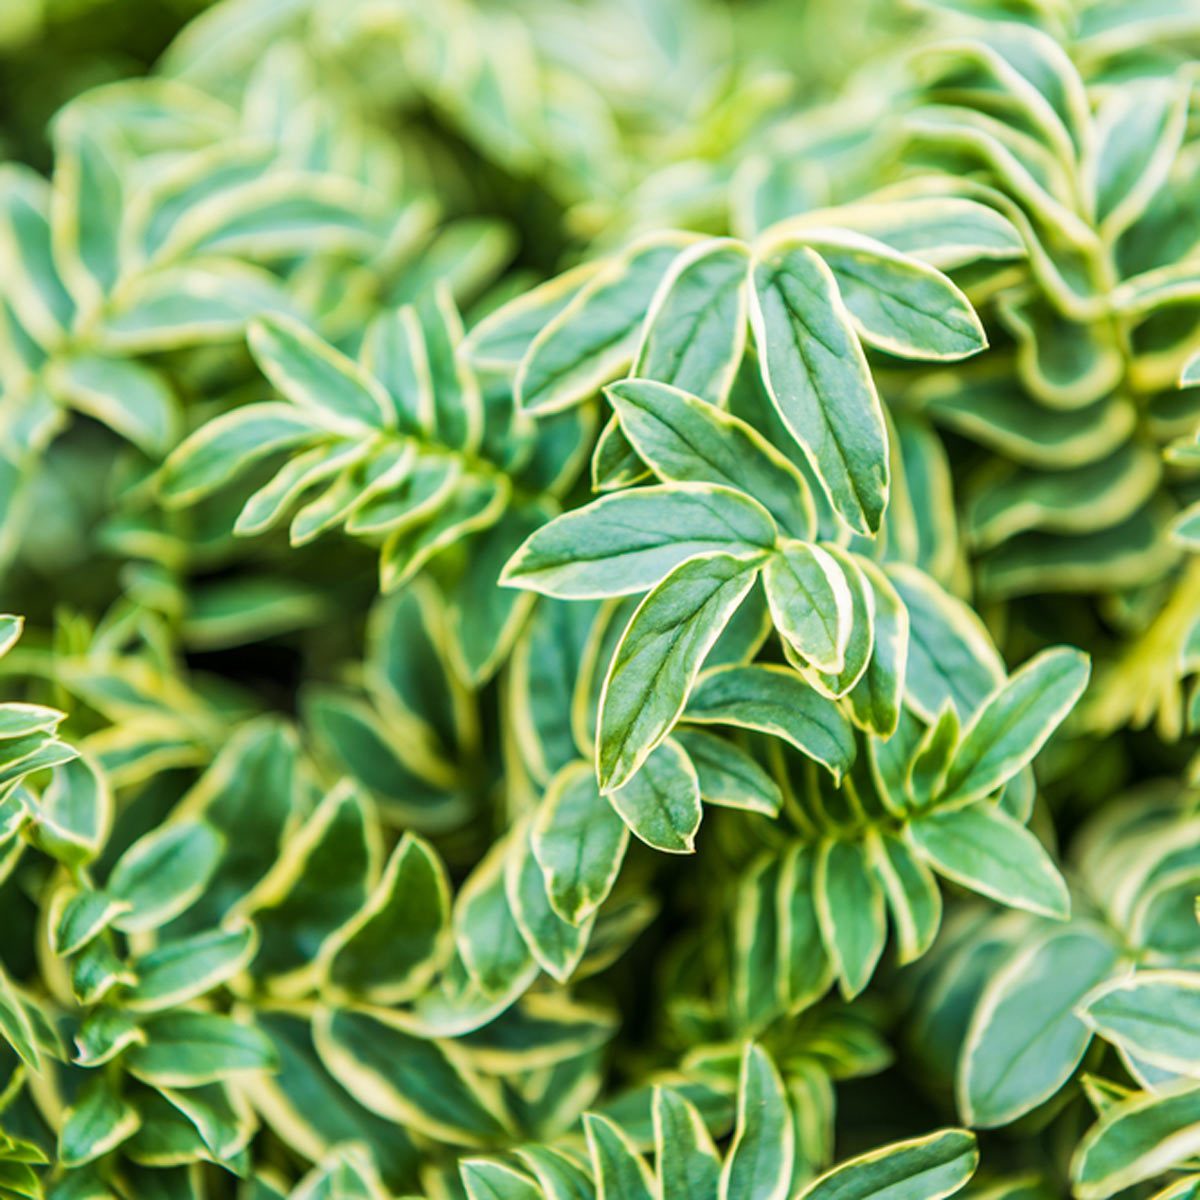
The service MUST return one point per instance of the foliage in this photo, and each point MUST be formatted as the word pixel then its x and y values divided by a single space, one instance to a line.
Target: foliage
pixel 610 602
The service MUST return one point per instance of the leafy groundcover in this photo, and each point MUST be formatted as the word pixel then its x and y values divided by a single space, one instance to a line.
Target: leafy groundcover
pixel 601 600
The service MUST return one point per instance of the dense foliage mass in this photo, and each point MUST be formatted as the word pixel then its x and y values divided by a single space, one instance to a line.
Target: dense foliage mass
pixel 607 596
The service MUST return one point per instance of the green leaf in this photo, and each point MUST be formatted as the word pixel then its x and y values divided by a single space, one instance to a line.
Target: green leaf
pixel 457 405
pixel 85 207
pixel 33 280
pixel 925 779
pixel 1137 1138
pixel 488 936
pixel 950 654
pixel 661 803
pixel 759 1163
pixel 417 790
pixel 777 701
pixel 96 970
pixel 987 851
pixel 686 440
pixel 188 304
pixel 849 906
pixel 250 794
pixel 83 916
pixel 178 971
pixel 503 337
pixel 594 338
pixel 131 399
pixel 1015 723
pixel 487 618
pixel 943 231
pixel 1190 375
pixel 348 1173
pixel 1062 362
pixel 911 891
pixel 658 658
pixel 927 1168
pixel 485 1180
pixel 687 1160
pixel 1025 1038
pixel 860 643
pixel 10 631
pixel 1185 528
pixel 760 953
pixel 316 378
pixel 228 444
pixel 810 603
pixel 39 753
pixel 417 497
pixel 622 544
pixel 558 1174
pixel 728 776
pixel 808 970
pixel 579 842
pixel 394 352
pixel 16 1025
pixel 309 1110
pixel 696 327
pixel 225 1126
pixel 390 949
pixel 188 1049
pixel 615 463
pixel 621 1173
pixel 557 944
pixel 817 376
pixel 476 503
pixel 423 1084
pixel 1152 1016
pixel 322 877
pixel 163 873
pixel 19 720
pixel 103 1034
pixel 96 1124
pixel 270 503
pixel 1139 129
pixel 897 303
pixel 875 700
pixel 74 814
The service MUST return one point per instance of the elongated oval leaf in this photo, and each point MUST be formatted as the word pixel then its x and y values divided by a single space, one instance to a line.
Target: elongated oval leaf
pixel 985 850
pixel 686 440
pixel 776 701
pixel 391 948
pixel 759 1163
pixel 849 906
pixel 687 1159
pixel 1015 723
pixel 658 658
pixel 897 303
pixel 593 339
pixel 1136 1139
pixel 1012 1060
pixel 817 377
pixel 315 377
pixel 925 1168
pixel 160 875
pixel 619 1169
pixel 696 327
pixel 661 803
pixel 810 603
pixel 1152 1015
pixel 626 543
